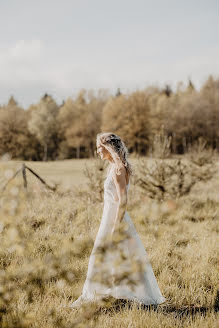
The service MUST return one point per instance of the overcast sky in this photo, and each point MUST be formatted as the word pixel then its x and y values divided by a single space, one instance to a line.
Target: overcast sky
pixel 61 46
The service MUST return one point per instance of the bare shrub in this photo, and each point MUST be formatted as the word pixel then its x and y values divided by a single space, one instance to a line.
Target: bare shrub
pixel 165 179
pixel 199 153
pixel 95 175
pixel 161 146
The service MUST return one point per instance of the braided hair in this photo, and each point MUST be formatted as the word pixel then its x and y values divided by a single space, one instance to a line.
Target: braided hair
pixel 118 150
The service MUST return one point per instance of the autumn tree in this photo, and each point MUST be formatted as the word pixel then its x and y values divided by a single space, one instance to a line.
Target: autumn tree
pixel 43 123
pixel 189 115
pixel 15 138
pixel 128 116
pixel 76 132
pixel 48 131
pixel 80 120
pixel 210 92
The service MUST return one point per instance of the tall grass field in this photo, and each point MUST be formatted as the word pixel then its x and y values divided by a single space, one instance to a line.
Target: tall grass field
pixel 46 238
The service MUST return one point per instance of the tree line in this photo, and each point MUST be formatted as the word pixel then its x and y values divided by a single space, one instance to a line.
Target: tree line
pixel 48 131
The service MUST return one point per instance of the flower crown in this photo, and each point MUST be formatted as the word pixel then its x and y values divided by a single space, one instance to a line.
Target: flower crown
pixel 113 139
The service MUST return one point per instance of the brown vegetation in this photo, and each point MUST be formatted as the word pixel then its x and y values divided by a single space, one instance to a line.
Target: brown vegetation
pixel 46 131
pixel 46 240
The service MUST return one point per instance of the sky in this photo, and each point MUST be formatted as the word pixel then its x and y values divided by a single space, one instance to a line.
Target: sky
pixel 62 46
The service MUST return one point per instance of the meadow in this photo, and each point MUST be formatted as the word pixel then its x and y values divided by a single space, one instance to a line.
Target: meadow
pixel 46 238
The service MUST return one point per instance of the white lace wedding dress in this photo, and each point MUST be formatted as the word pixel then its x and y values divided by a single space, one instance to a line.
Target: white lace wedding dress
pixel 122 271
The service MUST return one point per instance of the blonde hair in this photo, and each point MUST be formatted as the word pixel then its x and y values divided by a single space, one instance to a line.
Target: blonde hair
pixel 118 150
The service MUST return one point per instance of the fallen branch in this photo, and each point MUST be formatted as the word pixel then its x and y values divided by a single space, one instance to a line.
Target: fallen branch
pixel 38 177
pixel 3 189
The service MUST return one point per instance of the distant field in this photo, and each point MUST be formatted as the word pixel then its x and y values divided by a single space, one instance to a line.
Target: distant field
pixel 67 172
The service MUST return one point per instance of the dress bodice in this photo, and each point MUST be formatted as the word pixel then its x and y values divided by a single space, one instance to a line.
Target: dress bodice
pixel 110 192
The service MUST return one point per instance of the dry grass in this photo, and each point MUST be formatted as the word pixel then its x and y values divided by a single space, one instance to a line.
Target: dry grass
pixel 46 240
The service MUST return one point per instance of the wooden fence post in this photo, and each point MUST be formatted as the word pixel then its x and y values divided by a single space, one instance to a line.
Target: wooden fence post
pixel 24 175
pixel 23 169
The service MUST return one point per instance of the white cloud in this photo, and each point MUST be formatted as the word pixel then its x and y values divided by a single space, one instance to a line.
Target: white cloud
pixel 29 68
pixel 26 50
pixel 19 61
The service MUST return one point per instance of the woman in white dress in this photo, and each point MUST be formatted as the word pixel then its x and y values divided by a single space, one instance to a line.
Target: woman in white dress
pixel 118 266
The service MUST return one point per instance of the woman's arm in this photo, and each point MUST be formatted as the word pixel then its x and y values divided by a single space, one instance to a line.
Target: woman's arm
pixel 120 183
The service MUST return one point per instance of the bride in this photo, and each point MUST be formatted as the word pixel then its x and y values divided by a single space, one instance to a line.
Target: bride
pixel 118 266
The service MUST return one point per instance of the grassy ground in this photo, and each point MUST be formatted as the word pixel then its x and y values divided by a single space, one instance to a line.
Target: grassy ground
pixel 46 240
